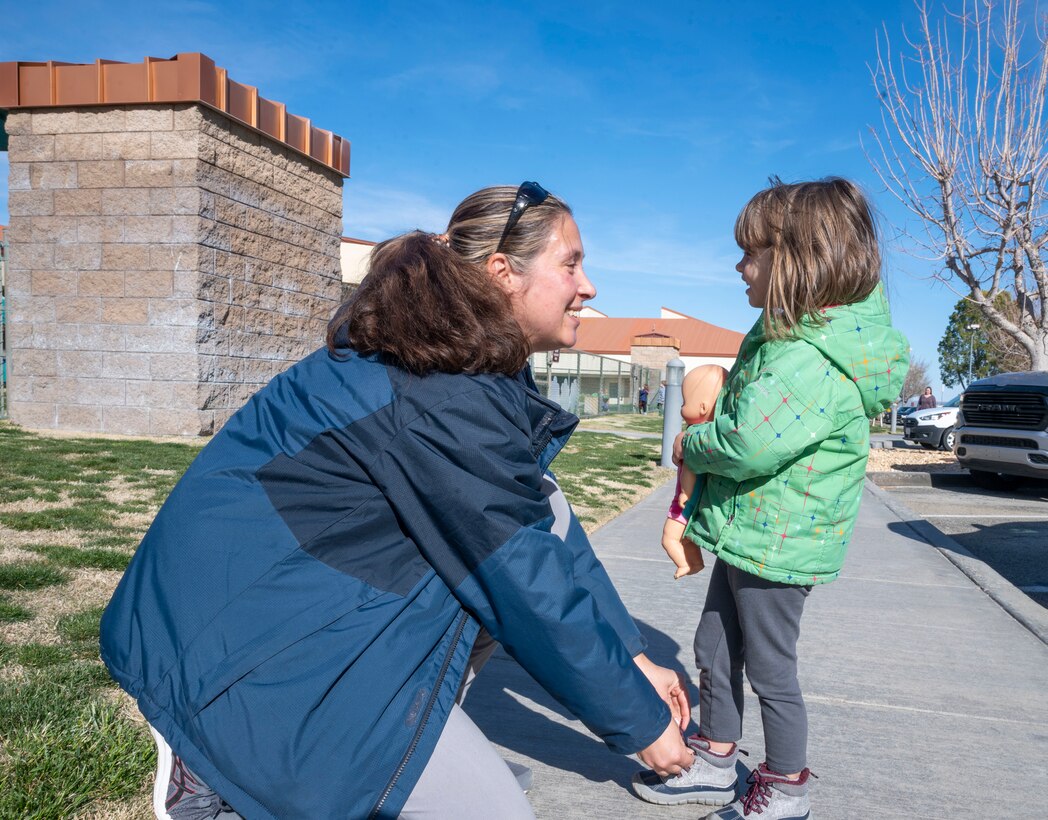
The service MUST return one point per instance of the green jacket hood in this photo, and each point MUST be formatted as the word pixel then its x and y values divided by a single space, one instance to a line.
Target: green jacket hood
pixel 860 340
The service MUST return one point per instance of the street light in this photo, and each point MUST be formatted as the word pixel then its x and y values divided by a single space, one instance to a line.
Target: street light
pixel 971 349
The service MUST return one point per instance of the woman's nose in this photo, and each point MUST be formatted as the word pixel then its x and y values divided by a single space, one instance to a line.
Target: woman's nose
pixel 586 288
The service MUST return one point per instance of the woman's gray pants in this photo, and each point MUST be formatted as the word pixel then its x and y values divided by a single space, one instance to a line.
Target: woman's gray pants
pixel 465 778
pixel 752 624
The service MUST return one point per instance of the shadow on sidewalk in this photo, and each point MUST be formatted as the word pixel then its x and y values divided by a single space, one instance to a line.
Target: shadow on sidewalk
pixel 1014 549
pixel 513 711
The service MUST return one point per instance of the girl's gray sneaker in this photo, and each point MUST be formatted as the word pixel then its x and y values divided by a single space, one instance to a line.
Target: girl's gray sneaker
pixel 771 796
pixel 711 780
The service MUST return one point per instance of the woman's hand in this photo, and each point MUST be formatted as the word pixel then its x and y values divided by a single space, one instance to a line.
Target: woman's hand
pixel 678 448
pixel 671 688
pixel 668 755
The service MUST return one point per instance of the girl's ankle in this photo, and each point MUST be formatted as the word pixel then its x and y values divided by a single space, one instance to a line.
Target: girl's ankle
pixel 721 749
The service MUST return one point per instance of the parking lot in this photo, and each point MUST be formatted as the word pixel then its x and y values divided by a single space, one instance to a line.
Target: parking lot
pixel 1008 530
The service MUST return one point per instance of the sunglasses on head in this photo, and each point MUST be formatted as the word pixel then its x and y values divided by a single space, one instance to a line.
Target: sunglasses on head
pixel 529 193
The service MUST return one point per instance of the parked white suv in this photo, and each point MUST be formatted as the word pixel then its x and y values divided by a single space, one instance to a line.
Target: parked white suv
pixel 932 428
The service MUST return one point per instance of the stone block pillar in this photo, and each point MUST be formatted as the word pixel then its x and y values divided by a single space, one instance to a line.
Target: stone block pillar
pixel 653 351
pixel 165 262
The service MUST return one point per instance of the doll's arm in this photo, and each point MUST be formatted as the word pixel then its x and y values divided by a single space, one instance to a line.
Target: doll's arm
pixel 693 501
pixel 687 485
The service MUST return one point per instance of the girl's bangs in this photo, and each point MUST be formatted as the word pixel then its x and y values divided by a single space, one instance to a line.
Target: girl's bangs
pixel 754 230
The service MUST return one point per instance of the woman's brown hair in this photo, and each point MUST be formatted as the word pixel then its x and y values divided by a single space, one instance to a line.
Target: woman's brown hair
pixel 428 300
pixel 824 248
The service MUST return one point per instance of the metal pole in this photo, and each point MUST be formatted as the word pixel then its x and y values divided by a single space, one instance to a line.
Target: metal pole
pixel 580 401
pixel 674 402
pixel 971 349
pixel 3 324
pixel 600 389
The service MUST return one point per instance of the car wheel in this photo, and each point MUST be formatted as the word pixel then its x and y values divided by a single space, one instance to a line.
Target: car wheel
pixel 946 442
pixel 995 481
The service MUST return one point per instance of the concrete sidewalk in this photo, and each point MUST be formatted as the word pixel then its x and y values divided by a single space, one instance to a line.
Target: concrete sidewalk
pixel 926 699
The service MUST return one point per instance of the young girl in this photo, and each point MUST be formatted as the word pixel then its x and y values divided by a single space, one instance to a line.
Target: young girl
pixel 784 459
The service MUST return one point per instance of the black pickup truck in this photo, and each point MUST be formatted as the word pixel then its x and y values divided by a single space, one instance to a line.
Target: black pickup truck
pixel 1001 433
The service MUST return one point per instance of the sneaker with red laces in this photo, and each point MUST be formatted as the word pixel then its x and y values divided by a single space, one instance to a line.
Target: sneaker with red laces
pixel 771 796
pixel 178 794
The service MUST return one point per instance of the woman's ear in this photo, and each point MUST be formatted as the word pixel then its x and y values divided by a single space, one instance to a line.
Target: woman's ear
pixel 499 269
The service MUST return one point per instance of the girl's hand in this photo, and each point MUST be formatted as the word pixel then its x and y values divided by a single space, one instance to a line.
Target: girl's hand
pixel 671 688
pixel 678 449
pixel 668 755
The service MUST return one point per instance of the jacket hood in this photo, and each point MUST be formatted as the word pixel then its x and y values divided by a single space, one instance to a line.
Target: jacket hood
pixel 860 340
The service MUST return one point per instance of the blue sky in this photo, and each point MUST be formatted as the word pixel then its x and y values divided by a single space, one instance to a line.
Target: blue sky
pixel 656 121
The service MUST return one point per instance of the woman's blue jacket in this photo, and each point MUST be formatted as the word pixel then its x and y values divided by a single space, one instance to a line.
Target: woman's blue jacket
pixel 298 618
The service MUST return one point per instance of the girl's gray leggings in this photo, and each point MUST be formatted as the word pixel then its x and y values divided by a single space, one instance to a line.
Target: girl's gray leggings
pixel 751 624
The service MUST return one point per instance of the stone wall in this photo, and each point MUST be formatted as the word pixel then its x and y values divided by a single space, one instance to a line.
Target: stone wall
pixel 654 354
pixel 165 262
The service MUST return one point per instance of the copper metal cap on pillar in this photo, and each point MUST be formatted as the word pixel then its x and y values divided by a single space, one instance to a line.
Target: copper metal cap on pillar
pixel 190 77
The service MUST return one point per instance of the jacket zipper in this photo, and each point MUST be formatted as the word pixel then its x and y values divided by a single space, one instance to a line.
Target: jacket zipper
pixel 425 717
pixel 734 509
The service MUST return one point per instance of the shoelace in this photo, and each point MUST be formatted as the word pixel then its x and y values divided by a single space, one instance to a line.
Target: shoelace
pixel 182 783
pixel 759 793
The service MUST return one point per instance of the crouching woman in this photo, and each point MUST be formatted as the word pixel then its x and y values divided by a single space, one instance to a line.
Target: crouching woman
pixel 298 624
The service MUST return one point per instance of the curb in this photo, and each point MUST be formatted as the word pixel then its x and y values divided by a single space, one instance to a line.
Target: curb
pixel 918 478
pixel 894 444
pixel 635 434
pixel 1017 604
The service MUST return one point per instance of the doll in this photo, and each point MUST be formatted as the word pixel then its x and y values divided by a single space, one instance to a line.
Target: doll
pixel 699 390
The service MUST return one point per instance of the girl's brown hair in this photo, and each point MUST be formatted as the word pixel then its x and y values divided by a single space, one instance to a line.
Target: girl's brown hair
pixel 428 300
pixel 824 248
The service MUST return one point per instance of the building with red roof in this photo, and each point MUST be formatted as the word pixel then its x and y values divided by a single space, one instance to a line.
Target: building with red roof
pixel 693 340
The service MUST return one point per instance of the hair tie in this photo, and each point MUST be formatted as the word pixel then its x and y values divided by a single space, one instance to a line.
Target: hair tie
pixel 441 239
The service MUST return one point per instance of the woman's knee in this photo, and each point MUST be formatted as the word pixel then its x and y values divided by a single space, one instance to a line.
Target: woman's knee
pixel 465 777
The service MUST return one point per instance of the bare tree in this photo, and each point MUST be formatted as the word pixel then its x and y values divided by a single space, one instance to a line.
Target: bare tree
pixel 916 380
pixel 962 147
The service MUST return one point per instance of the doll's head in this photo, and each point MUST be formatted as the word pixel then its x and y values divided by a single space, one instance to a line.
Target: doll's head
pixel 699 390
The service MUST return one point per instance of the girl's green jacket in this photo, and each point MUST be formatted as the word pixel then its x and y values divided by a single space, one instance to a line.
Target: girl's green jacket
pixel 785 455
